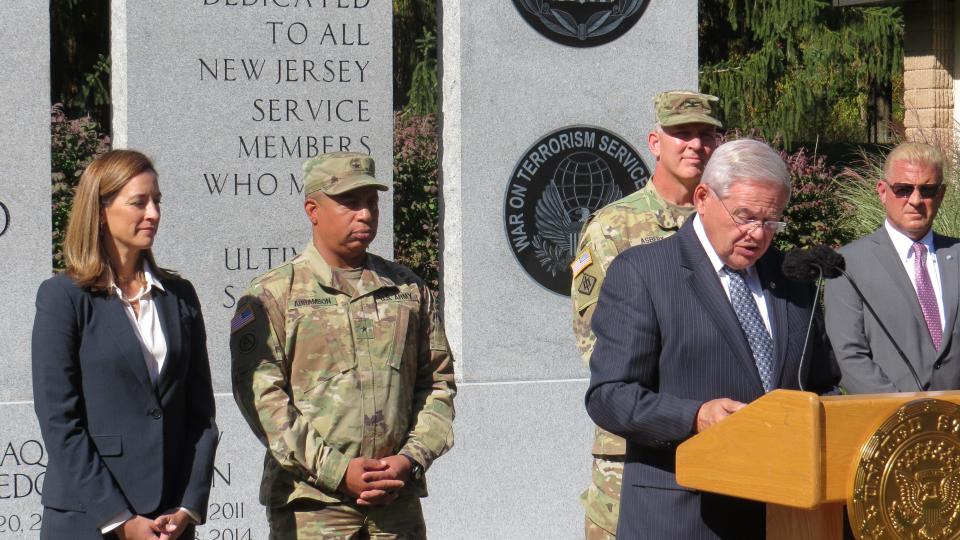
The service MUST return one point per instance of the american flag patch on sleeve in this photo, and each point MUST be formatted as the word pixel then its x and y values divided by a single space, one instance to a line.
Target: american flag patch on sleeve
pixel 241 319
pixel 582 261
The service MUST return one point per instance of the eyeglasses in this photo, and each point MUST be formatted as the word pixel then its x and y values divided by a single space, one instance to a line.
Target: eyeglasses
pixel 747 226
pixel 904 191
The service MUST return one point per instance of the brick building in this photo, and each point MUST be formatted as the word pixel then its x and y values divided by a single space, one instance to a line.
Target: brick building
pixel 930 66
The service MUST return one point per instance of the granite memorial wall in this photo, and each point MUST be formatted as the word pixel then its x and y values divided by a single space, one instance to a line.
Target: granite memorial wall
pixel 546 110
pixel 25 257
pixel 546 106
pixel 229 97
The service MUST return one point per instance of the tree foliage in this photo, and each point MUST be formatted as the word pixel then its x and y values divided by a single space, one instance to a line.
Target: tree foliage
pixel 424 95
pixel 799 69
pixel 413 21
pixel 80 58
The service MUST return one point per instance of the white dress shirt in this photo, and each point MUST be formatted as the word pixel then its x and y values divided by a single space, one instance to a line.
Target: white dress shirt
pixel 751 278
pixel 153 344
pixel 146 324
pixel 904 246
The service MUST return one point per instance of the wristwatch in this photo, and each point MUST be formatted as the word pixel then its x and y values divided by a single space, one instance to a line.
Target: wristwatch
pixel 416 469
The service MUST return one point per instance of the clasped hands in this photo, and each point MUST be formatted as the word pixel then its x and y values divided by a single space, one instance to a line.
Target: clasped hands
pixel 375 482
pixel 168 526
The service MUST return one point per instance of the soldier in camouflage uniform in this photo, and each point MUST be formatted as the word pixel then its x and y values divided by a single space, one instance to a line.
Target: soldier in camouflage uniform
pixel 682 142
pixel 341 367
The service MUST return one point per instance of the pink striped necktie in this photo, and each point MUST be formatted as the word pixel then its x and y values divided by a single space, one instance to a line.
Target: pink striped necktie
pixel 928 300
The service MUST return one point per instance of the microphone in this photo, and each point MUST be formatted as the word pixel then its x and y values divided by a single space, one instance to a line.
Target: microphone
pixel 810 265
pixel 814 264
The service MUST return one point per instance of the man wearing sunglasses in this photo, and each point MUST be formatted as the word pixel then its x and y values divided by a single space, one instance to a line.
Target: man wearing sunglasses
pixel 910 276
pixel 690 329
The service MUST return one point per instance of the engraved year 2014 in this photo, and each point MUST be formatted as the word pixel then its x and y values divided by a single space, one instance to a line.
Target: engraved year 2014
pixel 229 533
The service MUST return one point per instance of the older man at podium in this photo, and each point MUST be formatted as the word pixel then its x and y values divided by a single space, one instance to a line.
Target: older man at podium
pixel 689 330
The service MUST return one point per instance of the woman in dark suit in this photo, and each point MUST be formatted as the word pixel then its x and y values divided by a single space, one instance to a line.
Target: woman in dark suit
pixel 121 380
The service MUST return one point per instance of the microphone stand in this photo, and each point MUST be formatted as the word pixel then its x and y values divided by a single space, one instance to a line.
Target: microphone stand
pixel 806 340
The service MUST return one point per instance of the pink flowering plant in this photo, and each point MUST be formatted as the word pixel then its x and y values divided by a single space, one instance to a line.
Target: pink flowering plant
pixel 73 145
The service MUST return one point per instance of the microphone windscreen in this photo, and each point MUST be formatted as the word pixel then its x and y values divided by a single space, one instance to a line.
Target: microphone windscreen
pixel 798 266
pixel 805 265
pixel 831 262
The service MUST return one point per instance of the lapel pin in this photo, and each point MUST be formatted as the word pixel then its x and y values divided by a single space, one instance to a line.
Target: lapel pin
pixel 773 284
pixel 949 257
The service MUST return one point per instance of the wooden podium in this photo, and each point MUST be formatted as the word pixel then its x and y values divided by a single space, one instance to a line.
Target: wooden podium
pixel 797 452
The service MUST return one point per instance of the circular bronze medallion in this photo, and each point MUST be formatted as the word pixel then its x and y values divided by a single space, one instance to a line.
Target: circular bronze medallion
pixel 907 481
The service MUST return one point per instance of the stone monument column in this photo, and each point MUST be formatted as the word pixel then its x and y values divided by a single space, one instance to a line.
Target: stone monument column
pixel 230 97
pixel 25 252
pixel 546 110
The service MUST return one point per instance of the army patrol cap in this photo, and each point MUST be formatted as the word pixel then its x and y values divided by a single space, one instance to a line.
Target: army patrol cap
pixel 682 107
pixel 339 172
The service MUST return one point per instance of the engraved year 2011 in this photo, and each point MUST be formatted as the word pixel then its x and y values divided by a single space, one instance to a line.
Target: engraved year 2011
pixel 14 524
pixel 227 510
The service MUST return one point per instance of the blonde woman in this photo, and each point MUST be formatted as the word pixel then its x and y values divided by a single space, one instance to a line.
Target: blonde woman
pixel 121 380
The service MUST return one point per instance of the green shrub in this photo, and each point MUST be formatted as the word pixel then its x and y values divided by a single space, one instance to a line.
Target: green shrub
pixel 815 213
pixel 416 208
pixel 73 145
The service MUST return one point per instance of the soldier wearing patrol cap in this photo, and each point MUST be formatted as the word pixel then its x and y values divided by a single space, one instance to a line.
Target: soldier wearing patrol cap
pixel 682 142
pixel 341 367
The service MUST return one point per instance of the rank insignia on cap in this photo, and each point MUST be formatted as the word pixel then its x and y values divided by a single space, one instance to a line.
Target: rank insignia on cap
pixel 242 319
pixel 581 263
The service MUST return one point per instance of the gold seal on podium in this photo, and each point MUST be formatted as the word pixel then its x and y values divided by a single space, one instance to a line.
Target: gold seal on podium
pixel 907 481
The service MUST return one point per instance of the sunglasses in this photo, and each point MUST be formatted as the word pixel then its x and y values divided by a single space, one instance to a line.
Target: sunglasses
pixel 903 191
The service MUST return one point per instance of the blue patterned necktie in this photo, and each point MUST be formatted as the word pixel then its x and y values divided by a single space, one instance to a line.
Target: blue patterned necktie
pixel 756 332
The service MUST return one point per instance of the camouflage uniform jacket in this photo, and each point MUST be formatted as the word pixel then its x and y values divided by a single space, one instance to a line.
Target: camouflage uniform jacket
pixel 323 373
pixel 642 217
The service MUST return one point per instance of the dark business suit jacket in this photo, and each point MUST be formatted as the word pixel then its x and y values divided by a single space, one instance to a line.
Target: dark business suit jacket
pixel 868 360
pixel 115 441
pixel 668 341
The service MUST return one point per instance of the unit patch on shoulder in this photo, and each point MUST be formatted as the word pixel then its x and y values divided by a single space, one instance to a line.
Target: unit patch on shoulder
pixel 244 317
pixel 587 283
pixel 586 288
pixel 247 342
pixel 581 263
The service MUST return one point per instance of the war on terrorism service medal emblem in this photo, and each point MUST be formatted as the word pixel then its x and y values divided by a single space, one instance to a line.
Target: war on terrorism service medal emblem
pixel 557 184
